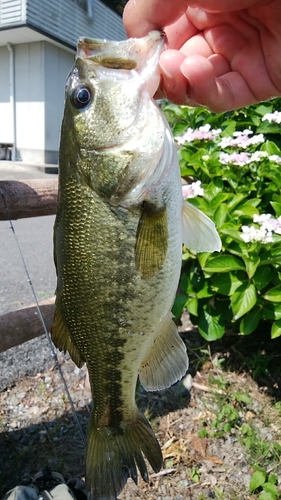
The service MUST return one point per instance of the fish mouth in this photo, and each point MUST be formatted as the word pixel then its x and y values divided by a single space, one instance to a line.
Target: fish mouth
pixel 133 53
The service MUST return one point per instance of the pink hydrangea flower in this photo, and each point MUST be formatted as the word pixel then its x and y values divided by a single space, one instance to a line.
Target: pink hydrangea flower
pixel 241 139
pixel 202 133
pixel 192 190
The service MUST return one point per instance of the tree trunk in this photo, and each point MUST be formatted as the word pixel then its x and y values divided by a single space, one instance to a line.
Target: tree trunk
pixel 28 198
pixel 17 327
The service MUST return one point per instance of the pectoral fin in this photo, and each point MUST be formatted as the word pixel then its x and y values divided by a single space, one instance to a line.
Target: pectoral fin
pixel 167 361
pixel 152 240
pixel 62 340
pixel 198 231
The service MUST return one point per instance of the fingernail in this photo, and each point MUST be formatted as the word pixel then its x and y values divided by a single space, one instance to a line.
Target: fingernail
pixel 169 78
pixel 184 73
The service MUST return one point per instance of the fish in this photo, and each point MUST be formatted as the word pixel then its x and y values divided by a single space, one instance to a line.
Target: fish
pixel 118 236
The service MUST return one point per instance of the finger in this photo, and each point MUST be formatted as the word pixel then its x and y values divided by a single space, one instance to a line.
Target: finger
pixel 218 93
pixel 197 45
pixel 141 16
pixel 173 84
pixel 179 32
pixel 226 6
pixel 220 65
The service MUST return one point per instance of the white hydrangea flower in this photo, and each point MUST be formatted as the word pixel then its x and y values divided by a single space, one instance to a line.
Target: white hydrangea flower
pixel 250 234
pixel 272 117
pixel 263 234
pixel 259 155
pixel 275 158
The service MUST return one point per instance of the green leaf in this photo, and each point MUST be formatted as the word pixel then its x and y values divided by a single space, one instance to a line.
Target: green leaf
pixel 179 305
pixel 251 265
pixel 223 308
pixel 218 199
pixel 213 189
pixel 274 176
pixel 227 284
pixel 270 488
pixel 203 257
pixel 200 203
pixel 257 480
pixel 271 311
pixel 277 447
pixel 271 256
pixel 250 321
pixel 274 294
pixel 270 147
pixel 237 198
pixel 262 109
pixel 220 215
pixel 192 305
pixel 266 496
pixel 238 396
pixel 243 300
pixel 209 325
pixel 179 127
pixel 262 277
pixel 276 329
pixel 247 210
pixel 272 479
pixel 185 284
pixel 205 291
pixel 223 264
pixel 230 127
pixel 277 207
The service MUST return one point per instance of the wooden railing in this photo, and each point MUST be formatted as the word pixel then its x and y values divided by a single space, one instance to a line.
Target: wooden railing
pixel 26 198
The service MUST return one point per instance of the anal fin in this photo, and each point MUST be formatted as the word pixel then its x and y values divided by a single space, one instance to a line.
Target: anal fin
pixel 167 361
pixel 61 338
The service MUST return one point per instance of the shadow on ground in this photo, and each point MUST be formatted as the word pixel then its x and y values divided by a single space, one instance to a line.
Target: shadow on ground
pixel 57 443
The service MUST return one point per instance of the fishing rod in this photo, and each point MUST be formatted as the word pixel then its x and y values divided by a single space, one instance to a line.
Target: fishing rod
pixel 47 334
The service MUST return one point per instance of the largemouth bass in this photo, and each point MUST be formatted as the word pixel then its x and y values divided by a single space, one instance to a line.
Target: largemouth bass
pixel 118 239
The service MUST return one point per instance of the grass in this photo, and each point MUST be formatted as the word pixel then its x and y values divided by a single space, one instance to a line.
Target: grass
pixel 237 415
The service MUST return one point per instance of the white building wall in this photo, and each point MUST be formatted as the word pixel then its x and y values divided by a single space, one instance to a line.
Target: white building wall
pixel 57 64
pixel 41 68
pixel 29 97
pixel 6 131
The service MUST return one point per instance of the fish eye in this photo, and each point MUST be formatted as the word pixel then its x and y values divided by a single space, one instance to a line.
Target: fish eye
pixel 81 96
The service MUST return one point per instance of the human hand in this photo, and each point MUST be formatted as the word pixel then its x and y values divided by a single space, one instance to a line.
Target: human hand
pixel 221 54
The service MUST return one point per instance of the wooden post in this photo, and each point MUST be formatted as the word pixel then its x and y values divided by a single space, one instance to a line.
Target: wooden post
pixel 17 327
pixel 28 198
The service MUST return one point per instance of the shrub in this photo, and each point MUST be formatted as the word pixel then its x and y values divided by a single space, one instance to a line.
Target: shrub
pixel 236 157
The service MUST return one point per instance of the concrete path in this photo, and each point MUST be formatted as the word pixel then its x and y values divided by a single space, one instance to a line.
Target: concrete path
pixel 35 236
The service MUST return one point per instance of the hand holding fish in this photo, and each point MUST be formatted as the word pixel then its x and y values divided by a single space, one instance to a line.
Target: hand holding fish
pixel 220 54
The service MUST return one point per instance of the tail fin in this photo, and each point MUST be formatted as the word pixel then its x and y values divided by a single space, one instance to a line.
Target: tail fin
pixel 114 453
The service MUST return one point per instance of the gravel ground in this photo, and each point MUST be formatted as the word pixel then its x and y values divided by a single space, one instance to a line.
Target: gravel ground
pixel 38 429
pixel 25 360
